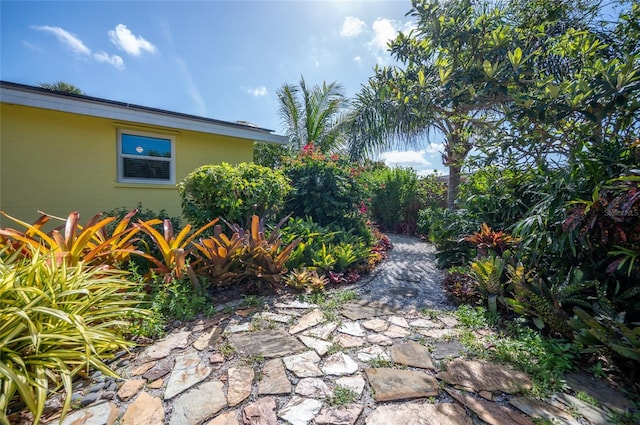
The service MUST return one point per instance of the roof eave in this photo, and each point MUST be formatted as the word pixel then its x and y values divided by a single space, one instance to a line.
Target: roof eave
pixel 17 94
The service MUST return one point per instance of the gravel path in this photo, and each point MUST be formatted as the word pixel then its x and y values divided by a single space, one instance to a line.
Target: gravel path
pixel 408 278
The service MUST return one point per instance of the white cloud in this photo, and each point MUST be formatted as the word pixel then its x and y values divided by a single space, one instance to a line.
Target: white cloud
pixel 114 60
pixel 405 158
pixel 424 161
pixel 352 26
pixel 435 148
pixel 385 30
pixel 357 59
pixel 258 91
pixel 76 45
pixel 69 40
pixel 129 42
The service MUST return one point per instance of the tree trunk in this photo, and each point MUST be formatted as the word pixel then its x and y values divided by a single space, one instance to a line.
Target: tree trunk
pixel 454 182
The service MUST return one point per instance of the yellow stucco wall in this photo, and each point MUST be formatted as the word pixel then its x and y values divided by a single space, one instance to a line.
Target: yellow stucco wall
pixel 60 162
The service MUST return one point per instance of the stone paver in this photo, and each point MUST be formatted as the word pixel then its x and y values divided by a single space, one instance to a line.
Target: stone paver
pixel 480 375
pixel 339 364
pixel 287 363
pixel 163 347
pixel 300 411
pixel 188 371
pixel 240 382
pixel 274 379
pixel 419 414
pixel 145 410
pixel 98 414
pixel 396 384
pixel 270 343
pixel 304 365
pixel 411 353
pixel 314 317
pixel 491 413
pixel 262 412
pixel 189 408
pixel 340 415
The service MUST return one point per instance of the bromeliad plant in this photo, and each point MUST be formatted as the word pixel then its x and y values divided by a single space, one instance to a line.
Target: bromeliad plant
pixel 218 256
pixel 91 243
pixel 245 255
pixel 57 321
pixel 265 257
pixel 488 272
pixel 173 249
pixel 488 239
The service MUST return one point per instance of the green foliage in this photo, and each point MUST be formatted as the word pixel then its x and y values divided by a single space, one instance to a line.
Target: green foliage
pixel 545 360
pixel 90 244
pixel 245 255
pixel 312 115
pixel 395 199
pixel 219 257
pixel 604 331
pixel 488 272
pixel 461 285
pixel 269 154
pixel 543 302
pixel 307 280
pixel 178 300
pixel 173 249
pixel 325 249
pixel 331 302
pixel 234 193
pixel 57 321
pixel 324 188
pixel 473 317
pixel 341 396
pixel 445 228
pixel 490 240
pixel 61 86
pixel 494 195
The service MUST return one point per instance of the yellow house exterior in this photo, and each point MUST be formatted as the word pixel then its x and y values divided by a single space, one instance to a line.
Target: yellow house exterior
pixel 61 153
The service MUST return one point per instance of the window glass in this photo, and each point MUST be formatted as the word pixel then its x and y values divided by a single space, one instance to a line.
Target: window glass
pixel 133 144
pixel 145 158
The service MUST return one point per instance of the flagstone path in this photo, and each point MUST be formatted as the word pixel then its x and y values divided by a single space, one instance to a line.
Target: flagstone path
pixel 389 357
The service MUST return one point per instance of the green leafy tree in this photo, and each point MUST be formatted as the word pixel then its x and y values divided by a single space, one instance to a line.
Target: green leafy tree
pixel 312 115
pixel 440 87
pixel 61 86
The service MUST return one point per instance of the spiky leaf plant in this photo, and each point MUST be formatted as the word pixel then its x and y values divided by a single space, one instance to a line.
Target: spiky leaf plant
pixel 57 321
pixel 488 273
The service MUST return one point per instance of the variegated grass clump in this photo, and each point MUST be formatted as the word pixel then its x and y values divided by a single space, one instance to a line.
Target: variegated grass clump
pixel 57 321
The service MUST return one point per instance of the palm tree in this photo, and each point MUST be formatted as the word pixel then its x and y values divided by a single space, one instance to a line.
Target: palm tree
pixel 61 86
pixel 380 120
pixel 312 115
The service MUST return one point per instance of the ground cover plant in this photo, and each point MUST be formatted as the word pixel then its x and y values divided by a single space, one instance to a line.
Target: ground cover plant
pixel 58 321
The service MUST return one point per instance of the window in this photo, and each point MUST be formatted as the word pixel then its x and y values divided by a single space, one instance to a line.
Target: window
pixel 145 158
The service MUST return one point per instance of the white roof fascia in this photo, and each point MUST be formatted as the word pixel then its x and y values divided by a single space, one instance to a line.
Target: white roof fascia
pixel 159 118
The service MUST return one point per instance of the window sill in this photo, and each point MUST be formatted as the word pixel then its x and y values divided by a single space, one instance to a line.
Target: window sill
pixel 170 186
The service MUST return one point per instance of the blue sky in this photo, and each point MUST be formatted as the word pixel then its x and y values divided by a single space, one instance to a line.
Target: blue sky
pixel 219 59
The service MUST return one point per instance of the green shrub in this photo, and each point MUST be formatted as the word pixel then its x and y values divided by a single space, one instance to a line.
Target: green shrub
pixel 179 300
pixel 325 249
pixel 324 188
pixel 55 322
pixel 446 230
pixel 395 201
pixel 234 193
pixel 269 154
